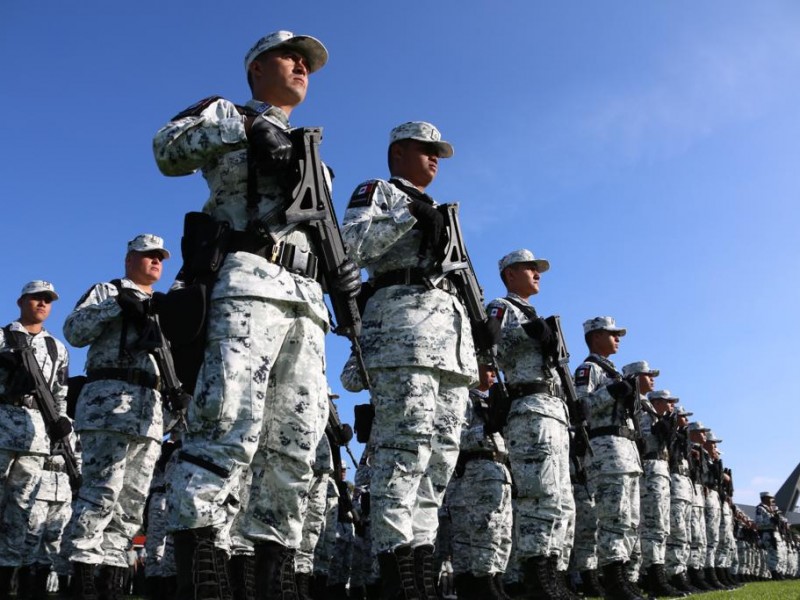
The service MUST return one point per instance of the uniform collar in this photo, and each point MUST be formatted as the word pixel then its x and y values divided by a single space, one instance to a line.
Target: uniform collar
pixel 17 326
pixel 268 110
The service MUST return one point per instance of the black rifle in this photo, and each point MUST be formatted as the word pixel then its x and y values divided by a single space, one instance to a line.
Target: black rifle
pixel 311 203
pixel 635 413
pixel 337 436
pixel 153 341
pixel 456 266
pixel 46 403
pixel 339 433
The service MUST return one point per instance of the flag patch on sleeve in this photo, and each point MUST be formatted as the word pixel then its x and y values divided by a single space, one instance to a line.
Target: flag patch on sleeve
pixel 582 375
pixel 497 312
pixel 362 195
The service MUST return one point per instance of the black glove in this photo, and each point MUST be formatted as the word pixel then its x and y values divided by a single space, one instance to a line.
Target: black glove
pixel 348 279
pixel 271 145
pixel 429 219
pixel 661 429
pixel 345 433
pixel 132 306
pixel 538 329
pixel 156 302
pixel 486 334
pixel 620 390
pixel 60 429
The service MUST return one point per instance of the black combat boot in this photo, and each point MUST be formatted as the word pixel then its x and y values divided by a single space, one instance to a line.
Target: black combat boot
pixel 483 588
pixel 63 587
pixel 337 591
pixel 303 581
pixel 711 579
pixel 275 572
pixel 374 591
pixel 681 583
pixel 83 587
pixel 357 593
pixel 319 583
pixel 39 575
pixel 6 574
pixel 559 579
pixel 109 582
pixel 657 583
pixel 24 582
pixel 697 580
pixel 590 584
pixel 397 574
pixel 615 582
pixel 201 566
pixel 423 572
pixel 539 580
pixel 464 584
pixel 241 572
pixel 500 587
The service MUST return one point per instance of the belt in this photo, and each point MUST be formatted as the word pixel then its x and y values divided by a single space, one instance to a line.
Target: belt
pixel 134 376
pixel 54 467
pixel 656 456
pixel 288 256
pixel 518 390
pixel 624 432
pixel 466 456
pixel 24 401
pixel 411 277
pixel 680 470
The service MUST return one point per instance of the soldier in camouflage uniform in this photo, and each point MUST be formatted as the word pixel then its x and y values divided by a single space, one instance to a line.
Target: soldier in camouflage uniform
pixel 698 469
pixel 261 388
pixel 614 470
pixel 479 501
pixel 419 352
pixel 24 443
pixel 119 418
pixel 768 522
pixel 537 426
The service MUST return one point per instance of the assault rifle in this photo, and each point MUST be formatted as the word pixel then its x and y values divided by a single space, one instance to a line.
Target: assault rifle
pixel 58 428
pixel 636 411
pixel 456 266
pixel 311 203
pixel 339 435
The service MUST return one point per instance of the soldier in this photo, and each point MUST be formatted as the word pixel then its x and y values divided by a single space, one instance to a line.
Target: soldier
pixel 480 502
pixel 537 427
pixel 118 415
pixel 615 468
pixel 727 544
pixel 419 351
pixel 698 469
pixel 768 522
pixel 261 388
pixel 24 441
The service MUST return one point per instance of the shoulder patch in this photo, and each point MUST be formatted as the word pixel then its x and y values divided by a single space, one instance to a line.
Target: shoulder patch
pixel 582 375
pixel 196 108
pixel 496 311
pixel 362 196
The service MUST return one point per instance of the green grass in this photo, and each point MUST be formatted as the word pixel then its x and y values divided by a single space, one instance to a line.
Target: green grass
pixel 765 590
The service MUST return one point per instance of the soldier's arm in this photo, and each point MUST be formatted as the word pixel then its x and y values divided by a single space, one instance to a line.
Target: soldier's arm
pixel 90 316
pixel 198 135
pixel 59 385
pixel 376 218
pixel 591 388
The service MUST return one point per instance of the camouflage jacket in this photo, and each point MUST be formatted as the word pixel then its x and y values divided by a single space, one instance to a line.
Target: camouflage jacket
pixel 404 325
pixel 653 442
pixel 23 428
pixel 473 435
pixel 211 137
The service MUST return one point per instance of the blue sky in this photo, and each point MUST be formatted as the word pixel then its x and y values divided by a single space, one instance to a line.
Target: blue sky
pixel 648 150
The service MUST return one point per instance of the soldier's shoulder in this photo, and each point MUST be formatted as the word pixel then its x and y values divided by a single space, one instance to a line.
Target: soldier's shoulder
pixel 196 109
pixel 365 192
pixel 497 308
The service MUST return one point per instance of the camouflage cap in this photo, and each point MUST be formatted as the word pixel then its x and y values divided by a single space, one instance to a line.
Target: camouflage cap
pixel 662 395
pixel 640 367
pixel 423 132
pixel 603 324
pixel 310 47
pixel 698 426
pixel 38 286
pixel 147 242
pixel 710 437
pixel 681 411
pixel 523 256
pixel 766 495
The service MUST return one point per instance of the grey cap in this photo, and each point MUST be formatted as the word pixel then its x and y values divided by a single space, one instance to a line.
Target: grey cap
pixel 710 437
pixel 639 367
pixel 681 411
pixel 523 256
pixel 147 242
pixel 698 426
pixel 603 324
pixel 766 495
pixel 423 132
pixel 39 286
pixel 310 47
pixel 662 395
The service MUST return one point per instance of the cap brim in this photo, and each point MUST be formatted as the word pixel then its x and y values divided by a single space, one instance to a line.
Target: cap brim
pixel 540 264
pixel 52 294
pixel 445 149
pixel 316 54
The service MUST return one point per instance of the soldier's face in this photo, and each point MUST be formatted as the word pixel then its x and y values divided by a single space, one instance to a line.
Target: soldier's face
pixel 606 342
pixel 523 279
pixel 646 383
pixel 281 77
pixel 34 308
pixel 143 268
pixel 662 407
pixel 416 161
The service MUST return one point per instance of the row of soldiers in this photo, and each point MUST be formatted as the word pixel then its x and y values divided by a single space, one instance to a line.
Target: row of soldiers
pixel 233 357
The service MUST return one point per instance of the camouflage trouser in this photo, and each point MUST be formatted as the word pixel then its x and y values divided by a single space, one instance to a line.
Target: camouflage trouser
pixel 514 567
pixel 697 530
pixel 585 545
pixel 635 560
pixel 677 556
pixel 314 523
pixel 326 544
pixel 157 538
pixel 364 570
pixel 569 539
pixel 713 515
pixel 46 524
pixel 419 413
pixel 260 395
pixel 655 502
pixel 538 447
pixel 239 544
pixel 19 478
pixel 342 561
pixel 772 543
pixel 117 469
pixel 617 503
pixel 480 509
pixel 727 544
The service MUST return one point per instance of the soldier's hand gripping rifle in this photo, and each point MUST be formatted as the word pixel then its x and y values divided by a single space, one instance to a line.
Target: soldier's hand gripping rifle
pixel 312 204
pixel 58 427
pixel 456 266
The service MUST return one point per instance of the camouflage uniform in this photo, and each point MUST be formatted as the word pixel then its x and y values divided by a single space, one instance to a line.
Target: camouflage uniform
pixel 326 544
pixel 480 499
pixel 697 555
pixel 120 424
pixel 712 515
pixel 24 444
pixel 314 523
pixel 537 434
pixel 681 497
pixel 259 388
pixel 615 468
pixel 655 491
pixel 418 348
pixel 767 520
pixel 365 570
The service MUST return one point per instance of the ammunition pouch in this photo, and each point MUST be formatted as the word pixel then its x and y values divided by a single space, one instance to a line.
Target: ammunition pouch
pixel 364 416
pixel 499 407
pixel 182 314
pixel 204 245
